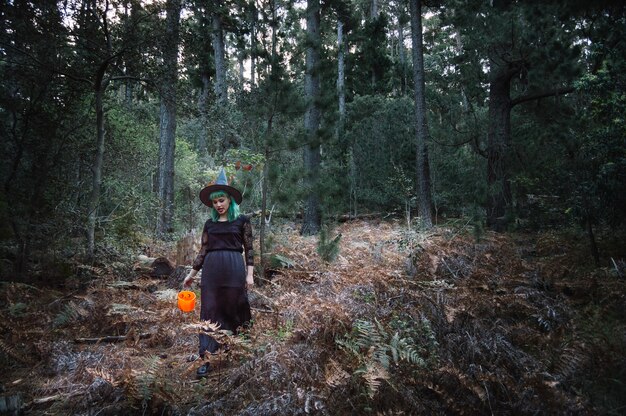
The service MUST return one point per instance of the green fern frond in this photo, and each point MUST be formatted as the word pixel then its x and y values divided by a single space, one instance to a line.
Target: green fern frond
pixel 372 344
pixel 394 347
pixel 146 380
pixel 69 314
pixel 12 352
pixel 367 334
pixel 348 345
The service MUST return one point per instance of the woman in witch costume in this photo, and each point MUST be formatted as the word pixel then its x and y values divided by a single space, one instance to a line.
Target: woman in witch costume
pixel 225 278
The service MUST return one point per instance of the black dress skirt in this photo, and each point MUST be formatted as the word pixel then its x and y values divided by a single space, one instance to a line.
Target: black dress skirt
pixel 227 306
pixel 223 295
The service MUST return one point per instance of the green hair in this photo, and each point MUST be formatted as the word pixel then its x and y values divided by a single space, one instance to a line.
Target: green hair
pixel 233 208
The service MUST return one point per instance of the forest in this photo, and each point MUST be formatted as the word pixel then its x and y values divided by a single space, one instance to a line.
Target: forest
pixel 437 192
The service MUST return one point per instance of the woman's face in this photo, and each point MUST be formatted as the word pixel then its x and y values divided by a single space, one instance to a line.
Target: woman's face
pixel 221 204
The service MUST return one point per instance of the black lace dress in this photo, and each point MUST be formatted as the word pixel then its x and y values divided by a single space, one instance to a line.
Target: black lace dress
pixel 224 299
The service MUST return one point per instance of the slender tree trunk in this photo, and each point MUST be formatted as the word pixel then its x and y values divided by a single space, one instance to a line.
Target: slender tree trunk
pixel 266 152
pixel 498 140
pixel 167 142
pixel 459 49
pixel 221 90
pixel 341 94
pixel 312 157
pixel 374 16
pixel 402 57
pixel 203 103
pixel 94 200
pixel 423 170
pixel 240 60
pixel 264 191
pixel 253 21
pixel 132 59
pixel 341 79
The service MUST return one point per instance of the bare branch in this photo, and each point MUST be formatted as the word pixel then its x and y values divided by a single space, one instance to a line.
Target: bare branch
pixel 543 94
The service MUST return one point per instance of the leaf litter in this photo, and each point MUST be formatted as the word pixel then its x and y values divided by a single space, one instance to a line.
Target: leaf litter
pixel 401 322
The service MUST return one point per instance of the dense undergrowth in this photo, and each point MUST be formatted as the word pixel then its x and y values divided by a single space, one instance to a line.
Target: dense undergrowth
pixel 400 322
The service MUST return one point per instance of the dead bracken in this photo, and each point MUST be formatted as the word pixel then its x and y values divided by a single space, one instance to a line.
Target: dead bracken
pixel 400 322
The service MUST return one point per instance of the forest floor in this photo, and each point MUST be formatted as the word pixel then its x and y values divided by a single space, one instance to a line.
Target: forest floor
pixel 400 323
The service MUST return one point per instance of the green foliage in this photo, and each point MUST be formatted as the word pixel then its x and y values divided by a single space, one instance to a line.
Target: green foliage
pixel 599 166
pixel 375 348
pixel 380 132
pixel 328 248
pixel 71 313
pixel 18 309
pixel 146 379
pixel 278 261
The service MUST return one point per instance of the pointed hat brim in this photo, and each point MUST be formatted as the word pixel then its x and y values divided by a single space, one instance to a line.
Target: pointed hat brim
pixel 208 190
pixel 220 184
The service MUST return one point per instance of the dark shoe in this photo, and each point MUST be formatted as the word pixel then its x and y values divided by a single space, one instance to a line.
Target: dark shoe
pixel 203 371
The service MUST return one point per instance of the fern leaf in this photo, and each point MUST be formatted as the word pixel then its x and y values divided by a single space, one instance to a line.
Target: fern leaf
pixel 335 375
pixel 394 346
pixel 374 375
pixel 12 352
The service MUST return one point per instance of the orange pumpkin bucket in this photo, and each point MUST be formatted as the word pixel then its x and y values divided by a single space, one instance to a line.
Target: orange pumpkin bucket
pixel 186 301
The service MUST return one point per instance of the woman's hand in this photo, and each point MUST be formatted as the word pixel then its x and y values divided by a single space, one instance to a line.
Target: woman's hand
pixel 250 277
pixel 189 279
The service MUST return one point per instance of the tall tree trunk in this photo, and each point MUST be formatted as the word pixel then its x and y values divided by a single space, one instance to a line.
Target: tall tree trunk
pixel 312 157
pixel 131 61
pixel 264 191
pixel 167 139
pixel 402 57
pixel 373 17
pixel 253 21
pixel 96 183
pixel 240 58
pixel 221 90
pixel 498 141
pixel 374 9
pixel 203 108
pixel 266 152
pixel 341 79
pixel 423 170
pixel 341 95
pixel 459 51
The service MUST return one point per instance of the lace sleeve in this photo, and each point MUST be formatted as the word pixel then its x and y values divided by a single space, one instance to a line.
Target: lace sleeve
pixel 247 243
pixel 199 261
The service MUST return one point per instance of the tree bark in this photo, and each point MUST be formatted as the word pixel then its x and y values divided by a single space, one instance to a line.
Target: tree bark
pixel 498 142
pixel 373 17
pixel 423 169
pixel 268 134
pixel 341 79
pixel 402 56
pixel 312 157
pixel 96 183
pixel 203 102
pixel 167 140
pixel 221 90
pixel 99 85
pixel 240 58
pixel 253 20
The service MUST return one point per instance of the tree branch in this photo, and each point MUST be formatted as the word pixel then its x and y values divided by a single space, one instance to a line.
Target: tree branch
pixel 543 94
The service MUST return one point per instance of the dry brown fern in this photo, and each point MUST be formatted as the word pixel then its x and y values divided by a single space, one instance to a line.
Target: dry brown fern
pixel 12 352
pixel 335 375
